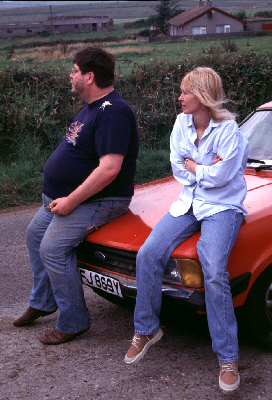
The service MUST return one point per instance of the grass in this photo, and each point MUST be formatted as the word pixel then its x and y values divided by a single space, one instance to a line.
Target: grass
pixel 21 180
pixel 126 50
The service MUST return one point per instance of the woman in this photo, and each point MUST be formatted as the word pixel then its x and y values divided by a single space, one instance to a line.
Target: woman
pixel 208 156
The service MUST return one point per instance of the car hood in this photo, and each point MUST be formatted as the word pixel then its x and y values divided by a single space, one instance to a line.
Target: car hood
pixel 152 200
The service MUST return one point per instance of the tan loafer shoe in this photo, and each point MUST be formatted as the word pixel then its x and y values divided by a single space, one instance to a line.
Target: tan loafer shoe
pixel 139 346
pixel 229 378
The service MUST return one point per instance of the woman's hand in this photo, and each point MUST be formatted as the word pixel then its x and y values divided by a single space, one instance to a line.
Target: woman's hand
pixel 190 165
pixel 217 159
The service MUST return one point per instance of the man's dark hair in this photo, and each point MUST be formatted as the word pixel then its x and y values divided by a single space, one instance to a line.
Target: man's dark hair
pixel 98 61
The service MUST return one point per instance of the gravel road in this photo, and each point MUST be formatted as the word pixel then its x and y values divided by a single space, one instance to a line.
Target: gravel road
pixel 181 366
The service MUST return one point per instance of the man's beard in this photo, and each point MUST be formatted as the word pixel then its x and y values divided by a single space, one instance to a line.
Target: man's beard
pixel 78 89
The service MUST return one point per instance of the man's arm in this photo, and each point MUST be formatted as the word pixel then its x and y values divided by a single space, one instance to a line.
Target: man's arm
pixel 107 170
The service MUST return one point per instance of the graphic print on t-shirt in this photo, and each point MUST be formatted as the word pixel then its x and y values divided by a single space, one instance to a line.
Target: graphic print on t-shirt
pixel 106 103
pixel 73 132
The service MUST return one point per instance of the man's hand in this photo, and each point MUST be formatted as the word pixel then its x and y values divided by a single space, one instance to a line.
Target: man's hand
pixel 62 206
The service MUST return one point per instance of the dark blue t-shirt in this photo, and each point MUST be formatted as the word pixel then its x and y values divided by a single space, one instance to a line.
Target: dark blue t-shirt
pixel 107 125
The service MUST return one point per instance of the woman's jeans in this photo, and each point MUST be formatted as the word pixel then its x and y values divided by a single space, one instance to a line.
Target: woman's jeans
pixel 218 234
pixel 51 241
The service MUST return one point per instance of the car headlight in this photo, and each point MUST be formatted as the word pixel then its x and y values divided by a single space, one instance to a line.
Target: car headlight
pixel 171 273
pixel 183 272
pixel 190 272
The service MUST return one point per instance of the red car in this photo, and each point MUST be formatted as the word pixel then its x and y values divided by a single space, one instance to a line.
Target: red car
pixel 107 257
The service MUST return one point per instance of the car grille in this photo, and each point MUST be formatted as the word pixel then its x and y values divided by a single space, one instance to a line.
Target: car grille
pixel 108 258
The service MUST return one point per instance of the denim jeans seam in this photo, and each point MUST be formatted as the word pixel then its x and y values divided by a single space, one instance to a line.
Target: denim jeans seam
pixel 225 297
pixel 71 294
pixel 151 295
pixel 159 260
pixel 229 346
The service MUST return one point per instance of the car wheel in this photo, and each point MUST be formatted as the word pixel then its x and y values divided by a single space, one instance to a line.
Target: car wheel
pixel 259 308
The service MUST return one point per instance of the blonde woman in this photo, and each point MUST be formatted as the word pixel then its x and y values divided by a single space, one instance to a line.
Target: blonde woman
pixel 208 156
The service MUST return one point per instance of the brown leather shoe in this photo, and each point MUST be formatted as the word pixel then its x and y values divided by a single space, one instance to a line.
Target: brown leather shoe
pixel 30 315
pixel 56 337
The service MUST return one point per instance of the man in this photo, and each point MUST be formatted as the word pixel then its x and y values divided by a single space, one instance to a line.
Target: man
pixel 88 181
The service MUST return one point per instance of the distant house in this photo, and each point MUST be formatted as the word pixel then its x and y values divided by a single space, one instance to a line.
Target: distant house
pixel 21 29
pixel 204 19
pixel 78 24
pixel 154 30
pixel 259 25
pixel 57 25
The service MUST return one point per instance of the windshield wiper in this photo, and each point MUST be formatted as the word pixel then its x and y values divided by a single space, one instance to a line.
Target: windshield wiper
pixel 250 160
pixel 259 167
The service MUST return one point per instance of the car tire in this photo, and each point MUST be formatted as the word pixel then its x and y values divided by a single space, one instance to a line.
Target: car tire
pixel 258 316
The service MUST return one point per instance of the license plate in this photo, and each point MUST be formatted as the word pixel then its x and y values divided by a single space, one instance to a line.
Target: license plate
pixel 99 281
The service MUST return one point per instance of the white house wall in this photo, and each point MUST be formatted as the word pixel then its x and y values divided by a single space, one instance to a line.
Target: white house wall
pixel 210 24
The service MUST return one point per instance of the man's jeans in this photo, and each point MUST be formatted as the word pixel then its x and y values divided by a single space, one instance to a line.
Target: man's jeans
pixel 218 234
pixel 51 241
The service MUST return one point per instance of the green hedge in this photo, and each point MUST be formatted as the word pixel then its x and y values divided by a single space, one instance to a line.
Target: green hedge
pixel 36 107
pixel 39 104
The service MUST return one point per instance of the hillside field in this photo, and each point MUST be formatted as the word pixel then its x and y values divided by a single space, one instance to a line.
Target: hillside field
pixel 118 10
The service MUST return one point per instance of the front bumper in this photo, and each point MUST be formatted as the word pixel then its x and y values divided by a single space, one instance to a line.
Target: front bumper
pixel 120 265
pixel 184 296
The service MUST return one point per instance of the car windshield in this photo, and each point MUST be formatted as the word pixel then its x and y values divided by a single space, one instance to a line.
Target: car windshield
pixel 258 131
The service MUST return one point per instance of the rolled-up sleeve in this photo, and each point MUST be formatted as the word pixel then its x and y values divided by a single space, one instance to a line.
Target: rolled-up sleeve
pixel 179 151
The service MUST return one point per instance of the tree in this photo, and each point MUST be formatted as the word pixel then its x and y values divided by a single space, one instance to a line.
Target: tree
pixel 241 14
pixel 166 9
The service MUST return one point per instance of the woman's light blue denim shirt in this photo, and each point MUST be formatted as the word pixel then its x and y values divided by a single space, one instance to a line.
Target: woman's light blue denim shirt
pixel 215 187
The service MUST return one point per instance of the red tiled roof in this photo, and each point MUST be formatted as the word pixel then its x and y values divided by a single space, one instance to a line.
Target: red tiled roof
pixel 193 13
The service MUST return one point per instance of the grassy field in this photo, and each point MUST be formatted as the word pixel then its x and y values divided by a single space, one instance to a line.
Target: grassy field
pixel 127 51
pixel 120 42
pixel 118 10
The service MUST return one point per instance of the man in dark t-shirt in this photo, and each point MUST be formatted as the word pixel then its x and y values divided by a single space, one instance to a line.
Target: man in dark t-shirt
pixel 88 181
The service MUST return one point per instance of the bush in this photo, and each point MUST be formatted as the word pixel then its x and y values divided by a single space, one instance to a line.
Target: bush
pixel 36 108
pixel 230 46
pixel 144 32
pixel 213 49
pixel 35 104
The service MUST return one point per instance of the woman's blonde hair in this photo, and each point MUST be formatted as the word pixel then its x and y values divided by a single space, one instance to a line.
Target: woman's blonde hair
pixel 207 86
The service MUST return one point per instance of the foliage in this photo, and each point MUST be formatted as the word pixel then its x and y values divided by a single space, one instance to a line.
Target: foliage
pixel 144 32
pixel 36 103
pixel 140 23
pixel 213 49
pixel 230 46
pixel 36 107
pixel 166 9
pixel 263 14
pixel 241 14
